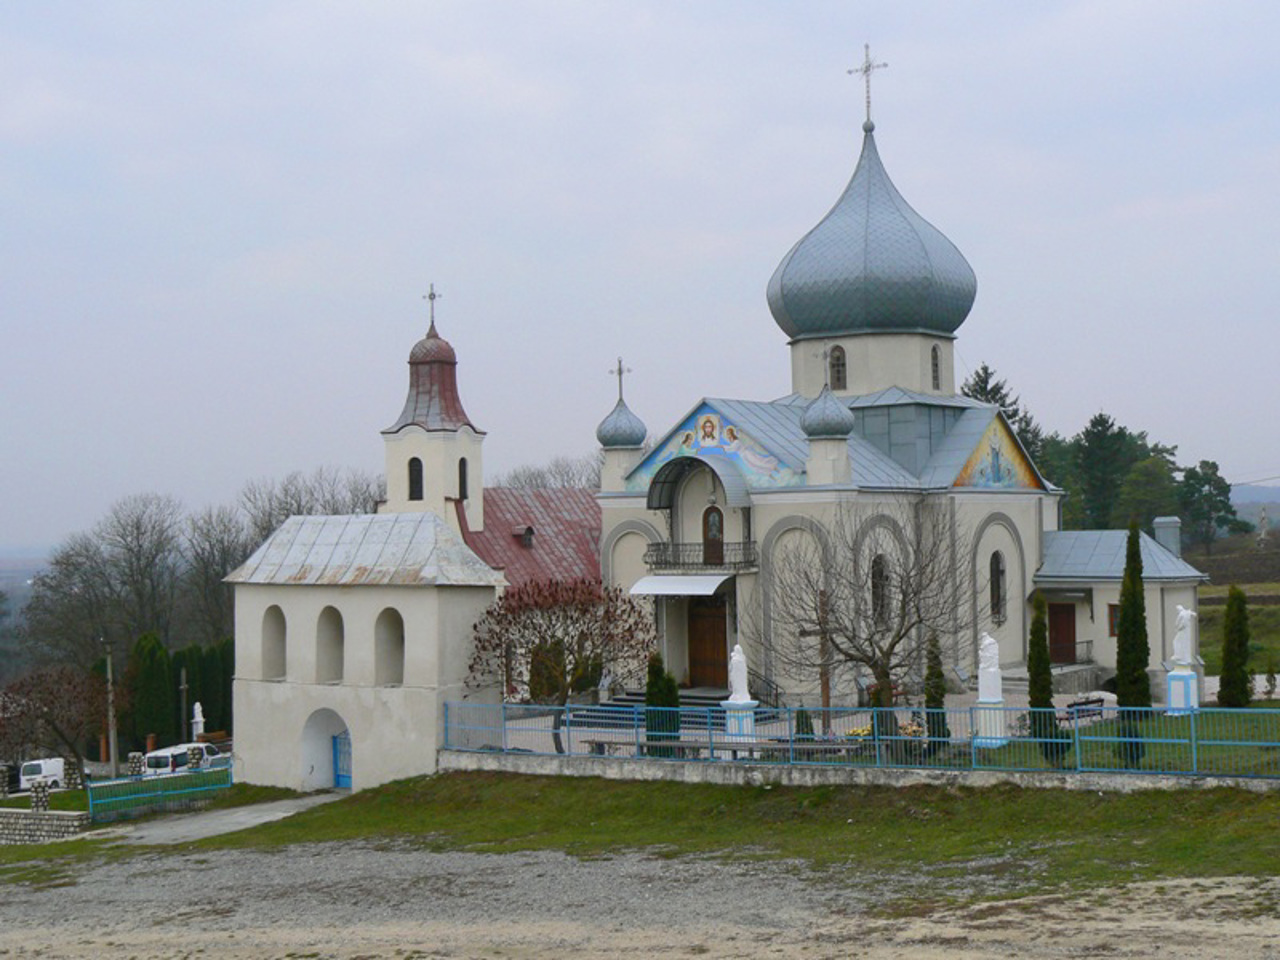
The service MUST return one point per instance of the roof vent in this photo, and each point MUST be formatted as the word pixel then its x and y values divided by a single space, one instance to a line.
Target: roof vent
pixel 524 534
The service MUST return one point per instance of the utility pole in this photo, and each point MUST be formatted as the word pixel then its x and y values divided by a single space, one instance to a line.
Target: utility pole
pixel 111 713
pixel 182 690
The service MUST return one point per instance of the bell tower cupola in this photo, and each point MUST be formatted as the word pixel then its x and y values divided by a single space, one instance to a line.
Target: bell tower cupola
pixel 433 450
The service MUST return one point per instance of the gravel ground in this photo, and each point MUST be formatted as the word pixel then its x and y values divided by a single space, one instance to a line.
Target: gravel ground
pixel 363 900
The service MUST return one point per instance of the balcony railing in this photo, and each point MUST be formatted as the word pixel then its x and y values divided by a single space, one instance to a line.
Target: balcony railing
pixel 717 555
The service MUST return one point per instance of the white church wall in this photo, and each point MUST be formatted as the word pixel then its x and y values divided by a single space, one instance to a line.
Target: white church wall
pixel 876 361
pixel 439 453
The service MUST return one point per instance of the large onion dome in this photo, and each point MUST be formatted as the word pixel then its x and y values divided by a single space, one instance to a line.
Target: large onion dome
pixel 621 428
pixel 433 402
pixel 872 265
pixel 827 418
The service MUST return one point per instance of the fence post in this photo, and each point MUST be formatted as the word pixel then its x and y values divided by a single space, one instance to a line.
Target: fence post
pixel 502 718
pixel 875 733
pixel 568 730
pixel 1075 736
pixel 711 731
pixel 637 716
pixel 1195 759
pixel 791 735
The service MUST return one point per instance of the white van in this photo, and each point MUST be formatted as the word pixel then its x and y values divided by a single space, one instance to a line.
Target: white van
pixel 174 759
pixel 52 771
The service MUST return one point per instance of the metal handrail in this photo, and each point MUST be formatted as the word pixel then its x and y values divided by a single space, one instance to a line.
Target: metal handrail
pixel 735 555
pixel 765 690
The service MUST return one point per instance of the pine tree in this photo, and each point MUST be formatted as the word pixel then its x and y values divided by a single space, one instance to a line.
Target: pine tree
pixel 1235 683
pixel 152 695
pixel 1133 689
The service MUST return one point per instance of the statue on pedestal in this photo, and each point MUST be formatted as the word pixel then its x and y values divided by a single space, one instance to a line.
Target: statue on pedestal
pixel 1183 628
pixel 738 692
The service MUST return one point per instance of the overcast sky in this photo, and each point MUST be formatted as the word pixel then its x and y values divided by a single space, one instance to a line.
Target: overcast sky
pixel 217 221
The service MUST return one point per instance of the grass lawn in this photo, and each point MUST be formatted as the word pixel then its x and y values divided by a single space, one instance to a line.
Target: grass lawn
pixel 58 800
pixel 1051 837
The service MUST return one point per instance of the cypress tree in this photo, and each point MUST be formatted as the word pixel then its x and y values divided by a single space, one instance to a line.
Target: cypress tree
pixel 1133 689
pixel 153 693
pixel 935 694
pixel 661 692
pixel 211 689
pixel 1234 690
pixel 1044 718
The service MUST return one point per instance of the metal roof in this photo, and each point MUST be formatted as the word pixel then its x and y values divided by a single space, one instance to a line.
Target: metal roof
pixel 1090 555
pixel 565 544
pixel 402 549
pixel 871 264
pixel 679 585
pixel 433 402
pixel 662 488
pixel 954 451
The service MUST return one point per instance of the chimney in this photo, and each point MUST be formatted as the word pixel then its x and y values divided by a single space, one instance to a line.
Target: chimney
pixel 1169 534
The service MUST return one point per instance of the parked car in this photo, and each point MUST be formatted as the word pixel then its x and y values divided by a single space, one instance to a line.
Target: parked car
pixel 175 759
pixel 52 770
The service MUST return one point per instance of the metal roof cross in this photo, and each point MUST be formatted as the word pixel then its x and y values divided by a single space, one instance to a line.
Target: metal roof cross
pixel 431 297
pixel 865 71
pixel 618 372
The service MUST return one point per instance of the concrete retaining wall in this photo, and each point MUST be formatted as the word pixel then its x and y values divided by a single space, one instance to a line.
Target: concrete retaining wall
pixel 755 774
pixel 23 826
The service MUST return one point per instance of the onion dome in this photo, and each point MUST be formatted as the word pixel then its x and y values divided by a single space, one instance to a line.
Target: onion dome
pixel 827 418
pixel 621 428
pixel 433 402
pixel 872 265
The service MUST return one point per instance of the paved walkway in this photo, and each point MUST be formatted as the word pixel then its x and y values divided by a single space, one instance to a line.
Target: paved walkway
pixel 186 827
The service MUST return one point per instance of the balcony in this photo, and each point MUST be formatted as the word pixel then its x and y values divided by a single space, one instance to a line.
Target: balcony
pixel 713 555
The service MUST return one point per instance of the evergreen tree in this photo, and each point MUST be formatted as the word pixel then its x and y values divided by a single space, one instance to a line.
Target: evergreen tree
pixel 1148 491
pixel 662 694
pixel 227 657
pixel 151 690
pixel 1133 689
pixel 1054 742
pixel 1206 503
pixel 215 708
pixel 935 694
pixel 1234 690
pixel 983 385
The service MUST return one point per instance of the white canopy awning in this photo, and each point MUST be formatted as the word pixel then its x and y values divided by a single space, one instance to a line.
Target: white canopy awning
pixel 693 585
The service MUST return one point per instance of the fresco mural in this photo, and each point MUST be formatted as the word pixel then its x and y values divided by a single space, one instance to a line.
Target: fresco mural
pixel 997 462
pixel 705 433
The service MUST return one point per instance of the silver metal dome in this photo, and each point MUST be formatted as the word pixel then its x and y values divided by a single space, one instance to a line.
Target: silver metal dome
pixel 871 265
pixel 621 428
pixel 827 418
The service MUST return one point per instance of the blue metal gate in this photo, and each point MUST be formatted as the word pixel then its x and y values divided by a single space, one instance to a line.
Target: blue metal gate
pixel 342 760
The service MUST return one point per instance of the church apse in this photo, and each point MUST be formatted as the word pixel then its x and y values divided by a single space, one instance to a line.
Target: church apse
pixel 998 463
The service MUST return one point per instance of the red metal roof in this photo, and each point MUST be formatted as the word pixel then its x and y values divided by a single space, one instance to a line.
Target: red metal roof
pixel 566 533
pixel 433 402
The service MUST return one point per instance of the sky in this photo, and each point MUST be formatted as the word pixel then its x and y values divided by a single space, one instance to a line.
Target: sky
pixel 218 221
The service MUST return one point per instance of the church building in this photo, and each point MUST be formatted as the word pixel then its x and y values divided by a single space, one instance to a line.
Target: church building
pixel 711 519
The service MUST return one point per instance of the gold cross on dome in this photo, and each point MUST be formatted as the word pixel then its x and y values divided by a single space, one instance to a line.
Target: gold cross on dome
pixel 618 371
pixel 865 71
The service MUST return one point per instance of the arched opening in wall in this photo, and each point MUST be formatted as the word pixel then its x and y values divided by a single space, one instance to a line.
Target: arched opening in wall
pixel 388 649
pixel 326 754
pixel 462 479
pixel 880 590
pixel 274 664
pixel 712 536
pixel 936 363
pixel 329 646
pixel 415 478
pixel 837 369
pixel 998 593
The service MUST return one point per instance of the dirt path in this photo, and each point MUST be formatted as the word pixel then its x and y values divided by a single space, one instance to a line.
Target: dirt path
pixel 361 900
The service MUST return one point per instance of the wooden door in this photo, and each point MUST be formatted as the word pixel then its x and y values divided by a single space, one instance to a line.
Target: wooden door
pixel 712 537
pixel 708 658
pixel 1062 633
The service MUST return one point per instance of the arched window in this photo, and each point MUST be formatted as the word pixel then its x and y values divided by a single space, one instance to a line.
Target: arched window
pixel 329 644
pixel 712 537
pixel 388 649
pixel 273 644
pixel 936 362
pixel 837 369
pixel 997 588
pixel 415 478
pixel 880 590
pixel 462 479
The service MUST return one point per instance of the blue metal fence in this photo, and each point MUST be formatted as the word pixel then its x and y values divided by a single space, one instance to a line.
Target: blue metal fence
pixel 136 796
pixel 1207 742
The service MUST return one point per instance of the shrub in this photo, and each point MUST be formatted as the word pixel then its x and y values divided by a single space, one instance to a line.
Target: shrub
pixel 935 696
pixel 1054 741
pixel 804 725
pixel 661 694
pixel 1236 686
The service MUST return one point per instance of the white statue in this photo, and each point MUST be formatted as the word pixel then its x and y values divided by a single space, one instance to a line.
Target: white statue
pixel 738 676
pixel 197 720
pixel 1184 625
pixel 988 653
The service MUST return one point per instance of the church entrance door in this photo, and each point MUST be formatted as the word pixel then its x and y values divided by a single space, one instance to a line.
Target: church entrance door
pixel 708 656
pixel 1062 633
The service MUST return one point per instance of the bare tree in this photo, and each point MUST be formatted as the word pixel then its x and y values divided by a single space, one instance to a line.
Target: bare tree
pixel 142 539
pixel 216 541
pixel 864 592
pixel 580 472
pixel 58 708
pixel 326 491
pixel 72 604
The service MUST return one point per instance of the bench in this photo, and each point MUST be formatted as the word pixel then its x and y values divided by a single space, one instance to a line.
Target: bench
pixel 1088 709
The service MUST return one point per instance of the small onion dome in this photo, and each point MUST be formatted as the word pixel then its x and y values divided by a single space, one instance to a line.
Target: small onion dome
pixel 871 265
pixel 621 428
pixel 432 347
pixel 827 418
